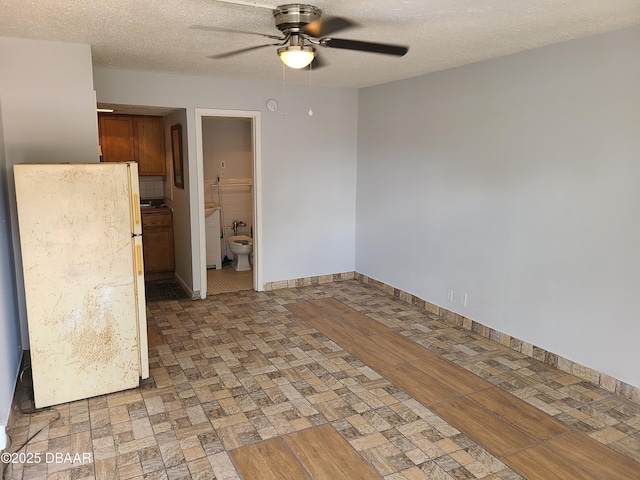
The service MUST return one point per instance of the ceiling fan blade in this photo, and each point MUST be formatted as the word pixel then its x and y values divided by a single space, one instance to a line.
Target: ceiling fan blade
pixel 227 30
pixel 242 50
pixel 372 47
pixel 248 4
pixel 327 26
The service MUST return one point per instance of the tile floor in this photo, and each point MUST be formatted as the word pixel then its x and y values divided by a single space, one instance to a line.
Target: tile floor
pixel 227 280
pixel 164 290
pixel 239 368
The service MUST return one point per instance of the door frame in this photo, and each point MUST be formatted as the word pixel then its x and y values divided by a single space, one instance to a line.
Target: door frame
pixel 256 130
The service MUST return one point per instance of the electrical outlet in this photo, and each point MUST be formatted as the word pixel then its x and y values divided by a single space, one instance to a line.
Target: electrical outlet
pixel 223 164
pixel 450 295
pixel 221 173
pixel 463 299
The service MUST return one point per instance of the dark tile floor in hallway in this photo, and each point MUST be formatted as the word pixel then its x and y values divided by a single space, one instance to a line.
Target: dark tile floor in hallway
pixel 240 368
pixel 164 290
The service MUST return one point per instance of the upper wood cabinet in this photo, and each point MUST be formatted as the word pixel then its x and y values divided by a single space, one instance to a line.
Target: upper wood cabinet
pixel 116 138
pixel 148 134
pixel 126 138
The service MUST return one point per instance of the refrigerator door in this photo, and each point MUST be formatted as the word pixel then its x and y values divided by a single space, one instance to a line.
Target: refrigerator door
pixel 138 274
pixel 79 276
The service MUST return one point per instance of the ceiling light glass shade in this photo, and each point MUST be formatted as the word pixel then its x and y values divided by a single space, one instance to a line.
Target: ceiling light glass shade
pixel 296 57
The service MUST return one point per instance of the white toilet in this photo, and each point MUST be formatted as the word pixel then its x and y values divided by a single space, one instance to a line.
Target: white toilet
pixel 241 246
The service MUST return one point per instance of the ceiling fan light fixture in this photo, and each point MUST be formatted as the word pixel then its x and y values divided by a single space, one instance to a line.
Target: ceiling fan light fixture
pixel 296 56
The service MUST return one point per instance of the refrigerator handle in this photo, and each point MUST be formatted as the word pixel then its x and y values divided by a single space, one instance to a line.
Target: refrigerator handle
pixel 136 209
pixel 139 258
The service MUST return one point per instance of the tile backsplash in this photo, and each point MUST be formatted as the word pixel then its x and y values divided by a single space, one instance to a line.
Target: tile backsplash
pixel 237 203
pixel 151 187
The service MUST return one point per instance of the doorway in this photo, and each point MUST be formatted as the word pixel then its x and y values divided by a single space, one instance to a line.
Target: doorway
pixel 228 155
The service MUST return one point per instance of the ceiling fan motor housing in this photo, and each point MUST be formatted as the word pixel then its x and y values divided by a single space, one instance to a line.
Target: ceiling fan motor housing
pixel 294 16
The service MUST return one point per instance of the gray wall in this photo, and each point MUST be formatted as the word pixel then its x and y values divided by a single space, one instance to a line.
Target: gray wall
pixel 10 345
pixel 229 140
pixel 514 181
pixel 178 200
pixel 48 115
pixel 308 163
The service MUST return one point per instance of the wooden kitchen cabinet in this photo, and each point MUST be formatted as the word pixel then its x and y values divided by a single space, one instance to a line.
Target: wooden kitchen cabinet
pixel 157 244
pixel 148 136
pixel 116 138
pixel 126 138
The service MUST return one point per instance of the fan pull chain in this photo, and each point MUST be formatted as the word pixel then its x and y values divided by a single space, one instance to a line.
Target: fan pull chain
pixel 284 92
pixel 310 92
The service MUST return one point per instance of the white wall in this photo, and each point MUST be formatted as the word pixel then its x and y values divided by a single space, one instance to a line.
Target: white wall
pixel 308 162
pixel 48 115
pixel 515 181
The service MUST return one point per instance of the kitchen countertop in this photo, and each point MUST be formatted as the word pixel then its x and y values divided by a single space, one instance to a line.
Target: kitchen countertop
pixel 155 210
pixel 154 207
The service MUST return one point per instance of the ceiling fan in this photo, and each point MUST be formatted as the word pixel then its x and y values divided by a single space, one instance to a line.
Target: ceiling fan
pixel 303 29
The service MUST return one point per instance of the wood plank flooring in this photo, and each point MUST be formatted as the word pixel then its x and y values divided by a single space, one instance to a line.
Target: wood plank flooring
pixel 303 455
pixel 490 431
pixel 269 460
pixel 529 440
pixel 519 413
pixel 344 463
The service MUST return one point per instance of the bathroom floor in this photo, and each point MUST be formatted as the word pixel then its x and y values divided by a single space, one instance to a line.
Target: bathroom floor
pixel 252 385
pixel 226 280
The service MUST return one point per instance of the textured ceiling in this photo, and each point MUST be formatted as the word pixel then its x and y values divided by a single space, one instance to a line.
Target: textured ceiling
pixel 157 35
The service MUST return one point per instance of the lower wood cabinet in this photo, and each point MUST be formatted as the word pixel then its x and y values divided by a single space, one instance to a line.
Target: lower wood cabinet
pixel 157 244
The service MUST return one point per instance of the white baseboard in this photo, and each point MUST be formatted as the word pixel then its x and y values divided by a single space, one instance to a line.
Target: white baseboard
pixel 193 295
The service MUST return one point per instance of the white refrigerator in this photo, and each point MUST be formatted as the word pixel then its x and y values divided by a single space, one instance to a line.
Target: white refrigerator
pixel 81 243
